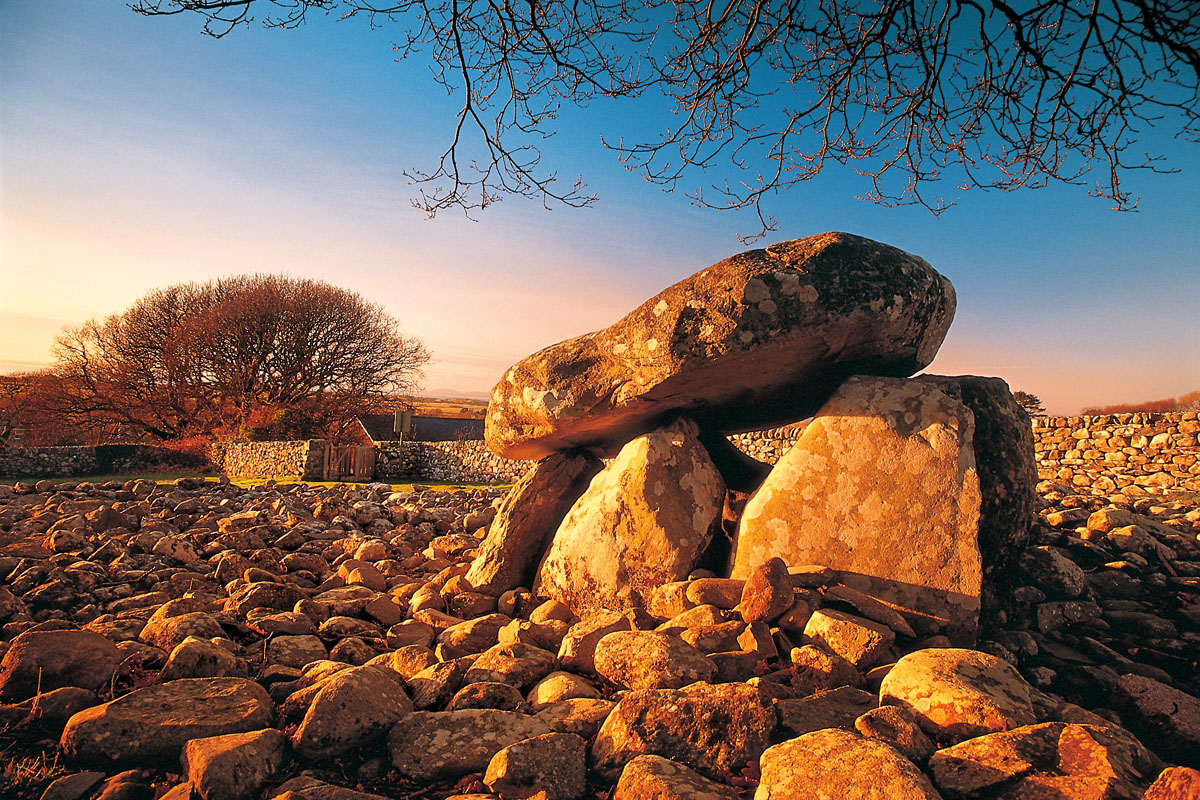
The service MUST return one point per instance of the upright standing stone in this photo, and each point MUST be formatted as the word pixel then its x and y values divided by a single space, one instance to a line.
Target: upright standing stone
pixel 644 521
pixel 1004 462
pixel 753 341
pixel 881 486
pixel 527 519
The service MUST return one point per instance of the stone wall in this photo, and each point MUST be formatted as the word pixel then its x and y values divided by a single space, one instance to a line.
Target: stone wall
pixel 768 446
pixel 1099 454
pixel 1133 453
pixel 47 462
pixel 301 459
pixel 104 459
pixel 450 462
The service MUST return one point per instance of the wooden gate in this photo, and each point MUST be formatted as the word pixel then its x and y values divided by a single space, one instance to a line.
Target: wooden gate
pixel 350 462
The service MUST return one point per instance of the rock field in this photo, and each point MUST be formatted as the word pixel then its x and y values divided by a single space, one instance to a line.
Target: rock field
pixel 202 640
pixel 895 609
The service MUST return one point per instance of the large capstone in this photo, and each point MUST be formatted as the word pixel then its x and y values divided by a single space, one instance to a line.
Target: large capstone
pixel 756 340
pixel 644 521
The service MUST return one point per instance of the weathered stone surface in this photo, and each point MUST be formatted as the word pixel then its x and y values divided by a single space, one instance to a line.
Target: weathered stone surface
pixel 882 487
pixel 436 684
pixel 959 694
pixel 860 641
pixel 696 617
pixel 559 686
pixel 352 707
pixel 132 784
pixel 166 632
pixel 547 635
pixel 767 592
pixel 1175 783
pixel 1166 718
pixel 45 660
pixel 471 636
pixel 1052 759
pixel 153 723
pixel 295 651
pixel 744 344
pixel 235 765
pixel 554 764
pixel 963 469
pixel 72 787
pixel 1049 570
pixel 285 623
pixel 650 660
pixel 644 521
pixel 527 519
pixel 200 658
pixel 896 727
pixel 306 788
pixel 407 660
pixel 714 638
pixel 487 694
pixel 517 664
pixel 653 777
pixel 871 608
pixel 833 762
pixel 708 728
pixel 431 745
pixel 818 670
pixel 581 715
pixel 720 592
pixel 51 710
pixel 836 708
pixel 1005 465
pixel 262 594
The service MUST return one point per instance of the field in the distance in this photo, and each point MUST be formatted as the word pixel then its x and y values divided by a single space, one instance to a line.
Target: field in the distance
pixel 454 407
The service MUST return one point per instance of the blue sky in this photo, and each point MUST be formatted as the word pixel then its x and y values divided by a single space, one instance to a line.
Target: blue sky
pixel 136 153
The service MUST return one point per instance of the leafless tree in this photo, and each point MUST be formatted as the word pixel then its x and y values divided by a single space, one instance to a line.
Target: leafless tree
pixel 192 358
pixel 12 391
pixel 992 93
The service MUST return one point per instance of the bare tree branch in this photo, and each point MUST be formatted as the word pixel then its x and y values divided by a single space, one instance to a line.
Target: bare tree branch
pixel 906 92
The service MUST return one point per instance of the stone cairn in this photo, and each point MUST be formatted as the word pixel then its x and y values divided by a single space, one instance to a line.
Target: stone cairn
pixel 890 611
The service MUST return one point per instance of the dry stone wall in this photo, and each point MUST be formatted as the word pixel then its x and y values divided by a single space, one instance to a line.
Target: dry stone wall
pixel 104 459
pixel 1131 453
pixel 1103 454
pixel 47 462
pixel 768 446
pixel 304 459
pixel 452 462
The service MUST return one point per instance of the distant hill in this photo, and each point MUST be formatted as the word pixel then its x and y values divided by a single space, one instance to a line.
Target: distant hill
pixel 453 394
pixel 450 407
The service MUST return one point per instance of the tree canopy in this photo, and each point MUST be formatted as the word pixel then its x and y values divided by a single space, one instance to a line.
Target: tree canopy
pixel 908 93
pixel 1031 403
pixel 195 358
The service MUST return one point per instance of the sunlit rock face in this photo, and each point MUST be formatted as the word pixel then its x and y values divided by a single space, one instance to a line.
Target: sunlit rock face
pixel 756 340
pixel 527 519
pixel 644 521
pixel 889 484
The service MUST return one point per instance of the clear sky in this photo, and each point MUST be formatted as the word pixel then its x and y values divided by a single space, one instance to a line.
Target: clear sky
pixel 136 153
